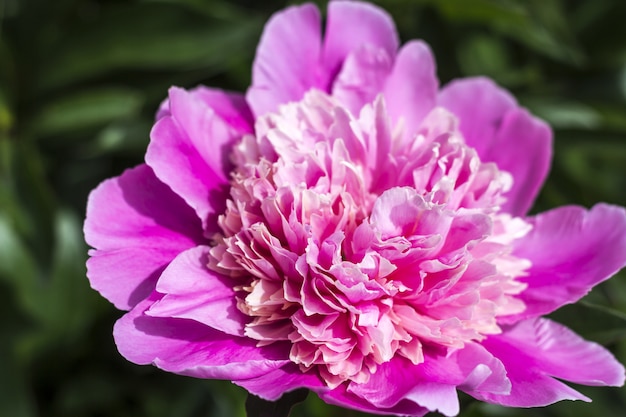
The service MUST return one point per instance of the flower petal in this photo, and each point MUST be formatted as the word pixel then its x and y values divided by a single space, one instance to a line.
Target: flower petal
pixel 502 132
pixel 229 106
pixel 362 77
pixel 571 250
pixel 432 384
pixel 194 292
pixel 137 225
pixel 411 89
pixel 342 397
pixel 287 59
pixel 350 25
pixel 400 380
pixel 275 383
pixel 189 151
pixel 536 351
pixel 187 347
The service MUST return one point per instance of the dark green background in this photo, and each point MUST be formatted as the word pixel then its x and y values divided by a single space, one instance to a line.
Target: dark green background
pixel 80 81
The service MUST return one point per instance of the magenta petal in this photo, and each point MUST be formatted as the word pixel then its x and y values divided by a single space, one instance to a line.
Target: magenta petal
pixel 536 351
pixel 275 383
pixel 571 250
pixel 400 380
pixel 287 59
pixel 189 151
pixel 353 24
pixel 343 398
pixel 189 348
pixel 433 383
pixel 136 226
pixel 501 132
pixel 194 292
pixel 411 90
pixel 229 106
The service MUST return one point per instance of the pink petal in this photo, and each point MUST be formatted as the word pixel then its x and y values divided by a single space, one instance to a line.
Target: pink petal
pixel 433 383
pixel 400 380
pixel 571 250
pixel 194 292
pixel 411 90
pixel 342 397
pixel 229 106
pixel 275 383
pixel 189 151
pixel 536 351
pixel 136 226
pixel 501 132
pixel 287 59
pixel 350 25
pixel 362 77
pixel 189 348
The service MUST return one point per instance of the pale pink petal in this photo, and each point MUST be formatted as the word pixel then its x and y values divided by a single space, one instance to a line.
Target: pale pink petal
pixel 194 292
pixel 350 25
pixel 480 105
pixel 536 351
pixel 287 61
pixel 571 250
pixel 189 151
pixel 189 348
pixel 136 226
pixel 522 134
pixel 502 132
pixel 411 89
pixel 275 383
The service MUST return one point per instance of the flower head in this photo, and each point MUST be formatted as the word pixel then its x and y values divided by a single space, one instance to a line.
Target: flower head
pixel 349 228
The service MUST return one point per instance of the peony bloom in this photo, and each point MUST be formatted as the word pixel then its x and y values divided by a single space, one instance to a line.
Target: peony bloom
pixel 348 227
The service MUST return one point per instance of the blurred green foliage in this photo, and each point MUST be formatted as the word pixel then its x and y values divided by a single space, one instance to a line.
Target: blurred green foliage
pixel 80 81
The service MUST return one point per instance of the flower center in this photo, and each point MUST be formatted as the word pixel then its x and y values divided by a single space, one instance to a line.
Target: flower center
pixel 357 243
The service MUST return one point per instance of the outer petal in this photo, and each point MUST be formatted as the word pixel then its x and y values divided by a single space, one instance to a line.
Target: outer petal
pixel 502 132
pixel 275 383
pixel 137 225
pixel 411 90
pixel 398 385
pixel 192 291
pixel 350 25
pixel 189 151
pixel 535 351
pixel 229 106
pixel 341 397
pixel 287 59
pixel 189 348
pixel 399 380
pixel 571 250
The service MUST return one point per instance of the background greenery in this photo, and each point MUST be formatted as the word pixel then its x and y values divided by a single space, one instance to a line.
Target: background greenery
pixel 80 81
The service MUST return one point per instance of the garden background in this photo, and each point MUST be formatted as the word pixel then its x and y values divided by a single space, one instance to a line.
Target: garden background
pixel 80 81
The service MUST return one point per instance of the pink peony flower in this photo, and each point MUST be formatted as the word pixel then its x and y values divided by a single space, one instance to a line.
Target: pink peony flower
pixel 349 228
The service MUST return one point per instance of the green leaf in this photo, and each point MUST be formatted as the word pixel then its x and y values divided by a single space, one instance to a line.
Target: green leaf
pixel 63 303
pixel 87 109
pixel 151 37
pixel 257 407
pixel 593 322
pixel 539 25
pixel 564 114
